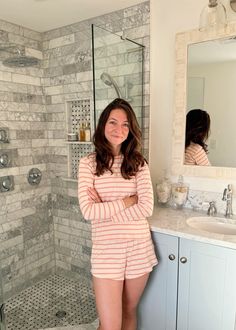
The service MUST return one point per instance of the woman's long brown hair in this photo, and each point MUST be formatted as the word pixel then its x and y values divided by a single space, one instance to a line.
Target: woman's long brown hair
pixel 197 128
pixel 130 148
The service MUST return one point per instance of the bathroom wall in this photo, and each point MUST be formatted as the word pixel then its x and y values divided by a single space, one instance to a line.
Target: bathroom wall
pixel 26 237
pixel 68 75
pixel 165 22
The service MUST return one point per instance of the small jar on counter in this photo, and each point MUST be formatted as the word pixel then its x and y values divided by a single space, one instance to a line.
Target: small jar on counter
pixel 163 190
pixel 179 193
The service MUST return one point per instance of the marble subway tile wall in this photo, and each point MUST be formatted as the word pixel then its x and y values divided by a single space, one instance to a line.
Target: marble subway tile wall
pixel 26 237
pixel 67 65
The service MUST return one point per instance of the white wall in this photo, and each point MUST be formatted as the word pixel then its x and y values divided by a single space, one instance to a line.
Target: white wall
pixel 167 19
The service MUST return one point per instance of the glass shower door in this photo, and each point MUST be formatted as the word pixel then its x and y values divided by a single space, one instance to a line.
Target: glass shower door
pixel 117 71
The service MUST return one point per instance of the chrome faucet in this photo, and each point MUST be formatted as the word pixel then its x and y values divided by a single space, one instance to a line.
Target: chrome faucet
pixel 228 196
pixel 212 209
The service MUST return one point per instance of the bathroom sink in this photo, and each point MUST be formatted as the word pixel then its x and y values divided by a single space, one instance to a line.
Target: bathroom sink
pixel 213 225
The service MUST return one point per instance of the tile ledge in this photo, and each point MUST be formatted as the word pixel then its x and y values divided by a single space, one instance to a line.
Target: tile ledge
pixel 68 179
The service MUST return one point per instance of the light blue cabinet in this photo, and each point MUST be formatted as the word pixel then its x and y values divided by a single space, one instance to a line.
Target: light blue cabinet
pixel 207 287
pixel 196 290
pixel 157 309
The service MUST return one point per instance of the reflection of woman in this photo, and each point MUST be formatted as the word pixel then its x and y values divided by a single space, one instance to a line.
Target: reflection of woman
pixel 115 193
pixel 197 131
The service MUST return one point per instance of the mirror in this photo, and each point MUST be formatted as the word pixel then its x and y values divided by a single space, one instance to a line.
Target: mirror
pixel 204 80
pixel 211 86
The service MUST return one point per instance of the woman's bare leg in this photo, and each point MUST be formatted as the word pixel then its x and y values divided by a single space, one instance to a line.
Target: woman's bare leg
pixel 108 294
pixel 132 293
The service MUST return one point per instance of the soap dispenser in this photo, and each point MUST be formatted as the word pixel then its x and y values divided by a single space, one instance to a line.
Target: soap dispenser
pixel 179 193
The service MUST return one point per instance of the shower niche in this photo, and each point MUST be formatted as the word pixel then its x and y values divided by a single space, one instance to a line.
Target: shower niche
pixel 80 126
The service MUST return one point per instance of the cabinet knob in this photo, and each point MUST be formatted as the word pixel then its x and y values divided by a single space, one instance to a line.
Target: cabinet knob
pixel 172 257
pixel 183 260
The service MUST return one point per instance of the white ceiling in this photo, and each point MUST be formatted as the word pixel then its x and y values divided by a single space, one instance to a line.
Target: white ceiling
pixel 44 15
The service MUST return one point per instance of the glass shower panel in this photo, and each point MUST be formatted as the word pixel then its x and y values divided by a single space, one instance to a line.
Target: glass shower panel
pixel 117 71
pixel 2 315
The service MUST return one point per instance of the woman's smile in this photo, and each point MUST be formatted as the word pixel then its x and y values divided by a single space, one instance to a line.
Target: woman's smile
pixel 117 129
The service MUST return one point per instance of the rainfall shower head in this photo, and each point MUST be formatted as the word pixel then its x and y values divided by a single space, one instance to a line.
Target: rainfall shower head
pixel 20 61
pixel 109 81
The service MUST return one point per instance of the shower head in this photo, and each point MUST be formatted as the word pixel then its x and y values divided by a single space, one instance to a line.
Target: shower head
pixel 109 81
pixel 20 61
pixel 106 78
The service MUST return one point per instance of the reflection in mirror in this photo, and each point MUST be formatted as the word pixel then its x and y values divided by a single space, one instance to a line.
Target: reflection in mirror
pixel 211 81
pixel 197 132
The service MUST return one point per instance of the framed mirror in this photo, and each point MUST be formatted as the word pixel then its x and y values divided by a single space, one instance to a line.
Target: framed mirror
pixel 204 79
pixel 211 86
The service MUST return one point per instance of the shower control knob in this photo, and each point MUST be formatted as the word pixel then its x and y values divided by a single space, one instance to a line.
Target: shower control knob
pixel 34 176
pixel 4 160
pixel 3 135
pixel 7 184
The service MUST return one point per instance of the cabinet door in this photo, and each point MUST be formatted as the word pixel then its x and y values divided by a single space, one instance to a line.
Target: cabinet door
pixel 207 287
pixel 157 309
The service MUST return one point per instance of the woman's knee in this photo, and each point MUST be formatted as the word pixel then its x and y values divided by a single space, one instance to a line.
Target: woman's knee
pixel 129 309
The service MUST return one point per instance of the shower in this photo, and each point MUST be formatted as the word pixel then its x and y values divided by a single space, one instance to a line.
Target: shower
pixel 20 60
pixel 109 81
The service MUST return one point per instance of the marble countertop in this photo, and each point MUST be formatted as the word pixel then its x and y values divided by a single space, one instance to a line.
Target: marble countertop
pixel 173 222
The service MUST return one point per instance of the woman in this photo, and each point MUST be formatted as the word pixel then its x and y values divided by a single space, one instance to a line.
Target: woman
pixel 115 193
pixel 197 132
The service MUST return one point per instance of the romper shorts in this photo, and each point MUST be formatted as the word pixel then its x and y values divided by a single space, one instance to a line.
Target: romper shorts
pixel 119 259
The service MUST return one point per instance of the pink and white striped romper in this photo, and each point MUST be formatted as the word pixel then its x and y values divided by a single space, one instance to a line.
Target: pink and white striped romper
pixel 122 246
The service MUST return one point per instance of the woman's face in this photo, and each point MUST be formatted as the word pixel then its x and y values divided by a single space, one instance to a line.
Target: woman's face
pixel 117 129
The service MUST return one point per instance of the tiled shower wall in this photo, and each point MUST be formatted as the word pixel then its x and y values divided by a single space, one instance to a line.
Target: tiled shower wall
pixel 42 227
pixel 26 230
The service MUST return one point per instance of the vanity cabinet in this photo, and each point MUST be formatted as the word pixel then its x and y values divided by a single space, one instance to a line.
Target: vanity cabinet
pixel 157 308
pixel 192 288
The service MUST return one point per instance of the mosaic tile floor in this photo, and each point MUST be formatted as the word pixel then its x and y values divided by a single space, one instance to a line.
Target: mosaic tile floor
pixel 91 326
pixel 37 307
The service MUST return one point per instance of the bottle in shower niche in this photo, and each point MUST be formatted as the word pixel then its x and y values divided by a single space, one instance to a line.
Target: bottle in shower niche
pixel 87 132
pixel 82 132
pixel 179 193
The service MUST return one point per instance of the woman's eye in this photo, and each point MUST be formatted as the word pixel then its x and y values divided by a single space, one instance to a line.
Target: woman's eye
pixel 126 125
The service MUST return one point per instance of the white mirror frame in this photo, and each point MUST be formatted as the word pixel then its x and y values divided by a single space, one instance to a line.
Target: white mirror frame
pixel 183 40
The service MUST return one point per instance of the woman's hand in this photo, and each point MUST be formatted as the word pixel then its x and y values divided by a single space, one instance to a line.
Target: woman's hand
pixel 93 195
pixel 130 201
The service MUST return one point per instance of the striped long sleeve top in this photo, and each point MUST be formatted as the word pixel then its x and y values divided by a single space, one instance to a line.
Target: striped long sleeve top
pixel 110 219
